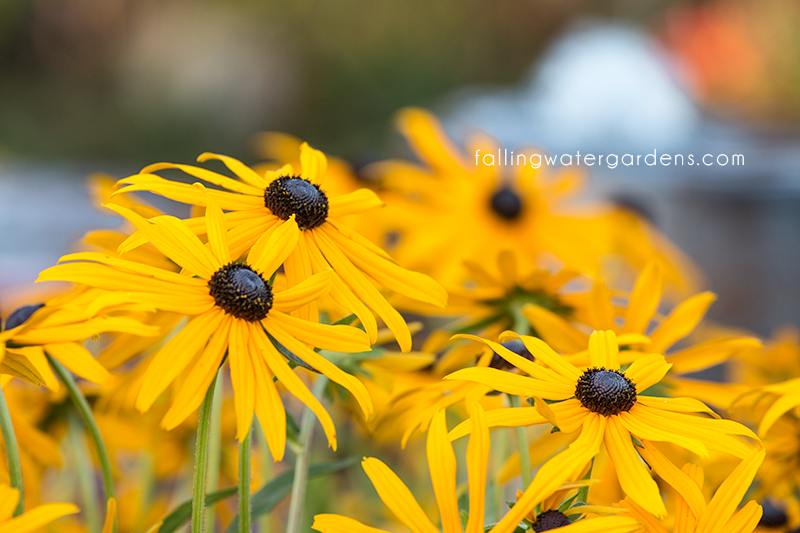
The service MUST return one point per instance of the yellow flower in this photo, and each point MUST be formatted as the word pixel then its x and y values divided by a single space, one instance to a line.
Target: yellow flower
pixel 58 328
pixel 719 515
pixel 259 205
pixel 442 464
pixel 606 404
pixel 31 520
pixel 233 309
pixel 478 209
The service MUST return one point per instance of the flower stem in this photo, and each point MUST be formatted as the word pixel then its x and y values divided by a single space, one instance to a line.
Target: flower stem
pixel 12 451
pixel 522 447
pixel 265 522
pixel 214 451
pixel 244 483
pixel 201 460
pixel 88 418
pixel 86 479
pixel 302 461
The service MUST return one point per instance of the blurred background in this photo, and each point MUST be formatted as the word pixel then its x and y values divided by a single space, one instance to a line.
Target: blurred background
pixel 111 86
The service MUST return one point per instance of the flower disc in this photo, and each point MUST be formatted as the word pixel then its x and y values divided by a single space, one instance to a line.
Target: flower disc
pixel 506 204
pixel 551 519
pixel 241 292
pixel 293 195
pixel 21 315
pixel 606 392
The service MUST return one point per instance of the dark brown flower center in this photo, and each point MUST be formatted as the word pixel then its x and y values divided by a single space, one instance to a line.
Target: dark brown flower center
pixel 551 519
pixel 21 315
pixel 606 392
pixel 293 195
pixel 516 346
pixel 506 204
pixel 241 292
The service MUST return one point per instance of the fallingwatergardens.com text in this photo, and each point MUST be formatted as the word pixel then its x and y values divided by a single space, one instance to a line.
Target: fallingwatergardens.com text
pixel 505 157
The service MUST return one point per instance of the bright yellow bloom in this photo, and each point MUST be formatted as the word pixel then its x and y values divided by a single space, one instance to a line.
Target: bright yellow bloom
pixel 442 464
pixel 58 328
pixel 478 209
pixel 32 520
pixel 608 403
pixel 719 515
pixel 261 205
pixel 233 310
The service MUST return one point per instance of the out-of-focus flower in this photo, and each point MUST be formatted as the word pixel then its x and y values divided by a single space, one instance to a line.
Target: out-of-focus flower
pixel 233 310
pixel 479 209
pixel 261 205
pixel 606 403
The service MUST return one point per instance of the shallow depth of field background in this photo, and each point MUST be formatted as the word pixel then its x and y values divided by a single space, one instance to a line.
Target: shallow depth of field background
pixel 111 86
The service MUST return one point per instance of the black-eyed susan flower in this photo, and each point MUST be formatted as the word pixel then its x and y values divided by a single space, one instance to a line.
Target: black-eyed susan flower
pixel 233 310
pixel 259 205
pixel 32 520
pixel 612 400
pixel 693 514
pixel 500 205
pixel 442 465
pixel 58 328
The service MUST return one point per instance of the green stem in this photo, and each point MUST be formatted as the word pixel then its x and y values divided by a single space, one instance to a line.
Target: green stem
pixel 245 448
pixel 214 451
pixel 265 522
pixel 12 451
pixel 522 447
pixel 302 461
pixel 201 460
pixel 86 483
pixel 88 418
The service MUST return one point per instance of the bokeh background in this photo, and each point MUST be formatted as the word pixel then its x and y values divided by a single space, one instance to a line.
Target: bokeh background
pixel 111 86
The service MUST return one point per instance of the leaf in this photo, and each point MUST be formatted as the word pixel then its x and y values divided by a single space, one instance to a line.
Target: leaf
pixel 181 514
pixel 273 492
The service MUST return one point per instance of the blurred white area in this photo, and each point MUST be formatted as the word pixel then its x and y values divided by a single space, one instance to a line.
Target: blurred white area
pixel 598 87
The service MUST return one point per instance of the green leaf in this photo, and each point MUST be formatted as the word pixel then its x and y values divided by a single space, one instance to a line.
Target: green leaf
pixel 346 321
pixel 181 514
pixel 273 492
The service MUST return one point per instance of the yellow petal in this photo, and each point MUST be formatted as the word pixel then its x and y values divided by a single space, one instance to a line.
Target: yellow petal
pixel 244 398
pixel 78 360
pixel 313 163
pixel 8 502
pixel 308 291
pixel 442 466
pixel 681 321
pixel 727 497
pixel 268 406
pixel 477 463
pixel 194 388
pixel 631 472
pixel 217 232
pixel 647 371
pixel 332 523
pixel 245 173
pixel 644 299
pixel 37 518
pixel 111 513
pixel 504 417
pixel 603 350
pixel 746 519
pixel 272 249
pixel 513 383
pixel 335 338
pixel 353 203
pixel 675 478
pixel 397 497
pixel 554 330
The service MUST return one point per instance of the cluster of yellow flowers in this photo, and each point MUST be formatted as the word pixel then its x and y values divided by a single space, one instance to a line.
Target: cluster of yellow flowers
pixel 574 327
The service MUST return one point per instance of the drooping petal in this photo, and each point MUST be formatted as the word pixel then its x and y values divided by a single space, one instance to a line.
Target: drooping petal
pixel 38 517
pixel 442 467
pixel 397 497
pixel 298 268
pixel 353 203
pixel 477 463
pixel 504 417
pixel 173 358
pixel 335 338
pixel 633 476
pixel 193 390
pixel 244 388
pixel 78 360
pixel 644 429
pixel 684 485
pixel 269 406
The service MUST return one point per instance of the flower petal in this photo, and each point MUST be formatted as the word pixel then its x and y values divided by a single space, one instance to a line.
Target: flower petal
pixel 334 523
pixel 353 203
pixel 647 371
pixel 727 497
pixel 554 330
pixel 78 360
pixel 244 388
pixel 309 290
pixel 477 463
pixel 513 383
pixel 272 249
pixel 504 417
pixel 681 321
pixel 248 175
pixel 603 350
pixel 442 467
pixel 644 299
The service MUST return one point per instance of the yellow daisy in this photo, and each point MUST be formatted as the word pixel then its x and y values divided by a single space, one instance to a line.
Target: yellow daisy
pixel 58 328
pixel 442 464
pixel 32 520
pixel 719 515
pixel 261 205
pixel 500 205
pixel 232 308
pixel 613 399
